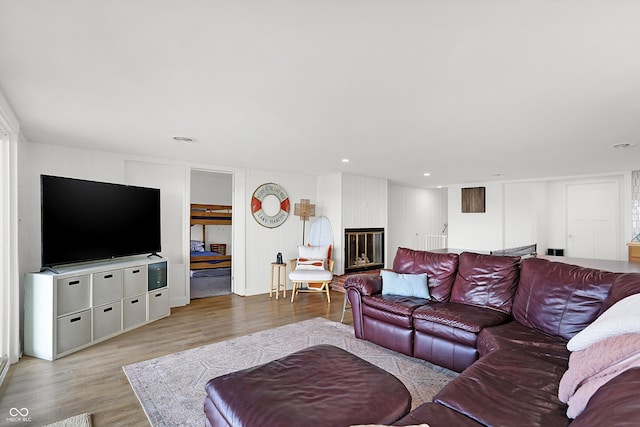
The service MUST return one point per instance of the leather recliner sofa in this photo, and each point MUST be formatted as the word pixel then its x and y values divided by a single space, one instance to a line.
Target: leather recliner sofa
pixel 504 323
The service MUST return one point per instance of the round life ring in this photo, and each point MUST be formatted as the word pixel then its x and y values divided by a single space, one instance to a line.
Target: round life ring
pixel 270 221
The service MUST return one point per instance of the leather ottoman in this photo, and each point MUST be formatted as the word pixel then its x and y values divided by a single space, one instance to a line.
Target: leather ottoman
pixel 319 386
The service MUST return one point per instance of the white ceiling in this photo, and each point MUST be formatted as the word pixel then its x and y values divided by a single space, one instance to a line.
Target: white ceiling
pixel 461 89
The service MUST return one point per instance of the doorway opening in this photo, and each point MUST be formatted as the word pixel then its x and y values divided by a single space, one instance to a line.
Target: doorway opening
pixel 211 231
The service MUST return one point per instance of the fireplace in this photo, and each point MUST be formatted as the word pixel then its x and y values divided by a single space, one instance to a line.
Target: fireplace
pixel 363 249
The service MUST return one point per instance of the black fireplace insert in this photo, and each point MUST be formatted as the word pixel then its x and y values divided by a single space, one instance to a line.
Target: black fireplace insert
pixel 364 249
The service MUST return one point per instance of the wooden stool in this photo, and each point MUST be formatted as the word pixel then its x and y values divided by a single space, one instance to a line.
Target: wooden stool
pixel 281 271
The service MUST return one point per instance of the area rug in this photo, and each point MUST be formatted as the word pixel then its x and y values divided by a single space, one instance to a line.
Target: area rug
pixel 171 388
pixel 82 420
pixel 210 282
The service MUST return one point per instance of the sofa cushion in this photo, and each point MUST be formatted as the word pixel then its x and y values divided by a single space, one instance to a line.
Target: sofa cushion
pixel 508 386
pixel 408 285
pixel 614 404
pixel 440 268
pixel 514 336
pixel 462 316
pixel 625 285
pixel 396 304
pixel 435 415
pixel 446 333
pixel 559 299
pixel 445 346
pixel 486 280
pixel 386 320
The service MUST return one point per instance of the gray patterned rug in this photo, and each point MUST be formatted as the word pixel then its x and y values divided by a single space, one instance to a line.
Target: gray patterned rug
pixel 82 420
pixel 171 388
pixel 210 282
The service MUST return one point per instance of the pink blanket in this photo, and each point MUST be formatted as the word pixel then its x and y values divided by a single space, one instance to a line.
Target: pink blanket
pixel 592 367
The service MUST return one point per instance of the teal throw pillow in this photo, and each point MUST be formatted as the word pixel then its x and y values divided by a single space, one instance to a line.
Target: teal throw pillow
pixel 406 285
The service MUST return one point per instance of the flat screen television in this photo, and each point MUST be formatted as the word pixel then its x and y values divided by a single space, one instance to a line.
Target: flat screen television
pixel 89 220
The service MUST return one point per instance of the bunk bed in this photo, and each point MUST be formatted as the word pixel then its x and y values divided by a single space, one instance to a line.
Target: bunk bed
pixel 216 256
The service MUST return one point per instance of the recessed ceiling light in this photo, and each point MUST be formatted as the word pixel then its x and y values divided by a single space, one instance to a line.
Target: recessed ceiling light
pixel 345 160
pixel 623 145
pixel 426 174
pixel 183 139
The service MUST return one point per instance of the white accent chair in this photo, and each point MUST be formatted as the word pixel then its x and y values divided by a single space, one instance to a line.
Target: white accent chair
pixel 313 269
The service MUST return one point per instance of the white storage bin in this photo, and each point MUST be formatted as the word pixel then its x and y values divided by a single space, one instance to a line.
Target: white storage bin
pixel 107 320
pixel 74 331
pixel 72 294
pixel 134 311
pixel 135 280
pixel 158 303
pixel 107 286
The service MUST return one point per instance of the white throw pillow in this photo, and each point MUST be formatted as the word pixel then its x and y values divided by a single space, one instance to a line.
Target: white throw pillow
pixel 621 318
pixel 313 252
pixel 310 264
pixel 406 285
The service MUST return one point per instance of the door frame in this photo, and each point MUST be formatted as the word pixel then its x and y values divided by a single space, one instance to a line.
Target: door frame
pixel 238 275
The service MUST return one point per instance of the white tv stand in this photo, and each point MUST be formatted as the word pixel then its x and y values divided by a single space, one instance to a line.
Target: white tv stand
pixel 78 306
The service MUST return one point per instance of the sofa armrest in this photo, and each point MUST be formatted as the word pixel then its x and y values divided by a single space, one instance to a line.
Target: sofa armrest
pixel 357 287
pixel 365 284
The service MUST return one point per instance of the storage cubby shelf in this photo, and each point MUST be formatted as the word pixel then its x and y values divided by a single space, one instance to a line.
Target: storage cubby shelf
pixel 78 306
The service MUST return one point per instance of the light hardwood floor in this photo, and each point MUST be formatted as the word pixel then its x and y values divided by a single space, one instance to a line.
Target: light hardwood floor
pixel 92 379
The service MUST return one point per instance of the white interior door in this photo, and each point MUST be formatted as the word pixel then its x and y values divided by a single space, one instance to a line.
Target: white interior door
pixel 592 220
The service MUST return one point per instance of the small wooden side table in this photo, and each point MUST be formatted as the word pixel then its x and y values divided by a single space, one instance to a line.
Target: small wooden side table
pixel 280 271
pixel 634 251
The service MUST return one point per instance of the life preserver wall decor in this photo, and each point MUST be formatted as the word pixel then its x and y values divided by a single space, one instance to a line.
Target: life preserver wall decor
pixel 270 221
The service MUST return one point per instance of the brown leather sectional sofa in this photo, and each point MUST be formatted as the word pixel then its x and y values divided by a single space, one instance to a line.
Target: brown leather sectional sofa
pixel 504 323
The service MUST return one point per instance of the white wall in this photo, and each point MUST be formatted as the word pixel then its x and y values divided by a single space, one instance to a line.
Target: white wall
pixel 364 205
pixel 171 179
pixel 72 162
pixel 413 212
pixel 329 194
pixel 211 188
pixel 258 247
pixel 364 201
pixel 522 213
pixel 36 159
pixel 525 215
pixel 262 244
pixel 476 231
pixel 348 201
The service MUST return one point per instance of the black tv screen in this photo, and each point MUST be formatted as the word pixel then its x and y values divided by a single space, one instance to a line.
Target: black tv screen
pixel 88 220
